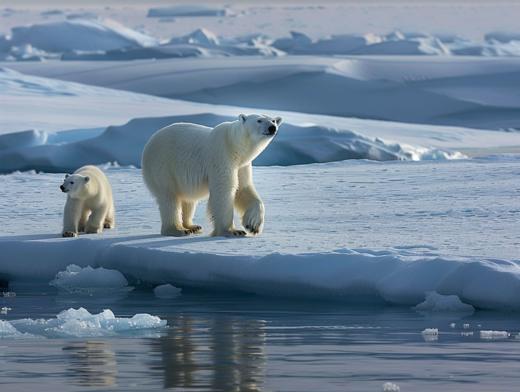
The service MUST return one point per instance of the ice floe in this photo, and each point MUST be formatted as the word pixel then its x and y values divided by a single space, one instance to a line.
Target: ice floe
pixel 80 323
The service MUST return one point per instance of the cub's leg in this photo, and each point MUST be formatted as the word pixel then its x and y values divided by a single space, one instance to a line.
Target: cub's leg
pixel 71 217
pixel 188 209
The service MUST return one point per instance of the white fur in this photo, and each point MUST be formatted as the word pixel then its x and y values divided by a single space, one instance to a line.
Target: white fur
pixel 184 162
pixel 90 206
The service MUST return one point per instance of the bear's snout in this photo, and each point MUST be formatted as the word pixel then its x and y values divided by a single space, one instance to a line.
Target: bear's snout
pixel 62 188
pixel 272 130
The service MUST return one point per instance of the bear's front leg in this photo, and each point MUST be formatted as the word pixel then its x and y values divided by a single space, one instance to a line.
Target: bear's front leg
pixel 71 217
pixel 222 190
pixel 96 220
pixel 248 202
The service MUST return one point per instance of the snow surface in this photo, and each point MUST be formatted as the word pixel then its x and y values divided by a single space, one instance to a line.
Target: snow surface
pixel 393 231
pixel 90 281
pixel 187 11
pixel 435 302
pixel 80 323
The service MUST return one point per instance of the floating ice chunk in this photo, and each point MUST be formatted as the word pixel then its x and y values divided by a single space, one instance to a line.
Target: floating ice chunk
pixel 4 310
pixel 81 323
pixel 490 335
pixel 453 325
pixel 90 281
pixel 9 294
pixel 430 334
pixel 166 291
pixel 465 326
pixel 390 387
pixel 436 302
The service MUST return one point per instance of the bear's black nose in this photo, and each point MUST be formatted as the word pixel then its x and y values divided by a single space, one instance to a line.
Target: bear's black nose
pixel 62 188
pixel 272 130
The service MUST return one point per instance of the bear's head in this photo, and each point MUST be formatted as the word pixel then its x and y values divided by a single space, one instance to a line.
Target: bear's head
pixel 260 128
pixel 74 185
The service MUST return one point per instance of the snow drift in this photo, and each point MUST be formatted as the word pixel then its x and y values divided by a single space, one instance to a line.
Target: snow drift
pixel 471 92
pixel 294 145
pixel 72 35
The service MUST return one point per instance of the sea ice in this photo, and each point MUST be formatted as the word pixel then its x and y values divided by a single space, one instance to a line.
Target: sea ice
pixel 81 323
pixel 492 335
pixel 435 302
pixel 166 291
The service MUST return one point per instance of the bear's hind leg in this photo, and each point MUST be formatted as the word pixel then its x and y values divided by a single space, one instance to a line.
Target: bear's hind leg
pixel 110 221
pixel 171 219
pixel 96 220
pixel 188 209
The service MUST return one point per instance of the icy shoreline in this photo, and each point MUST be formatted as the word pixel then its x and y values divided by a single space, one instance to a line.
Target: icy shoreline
pixel 363 275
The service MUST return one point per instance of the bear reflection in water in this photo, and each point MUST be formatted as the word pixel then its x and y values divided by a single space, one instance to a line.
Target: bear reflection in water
pixel 222 354
pixel 91 363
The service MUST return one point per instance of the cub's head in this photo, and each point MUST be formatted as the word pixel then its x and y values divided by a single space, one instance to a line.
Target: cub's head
pixel 260 127
pixel 74 184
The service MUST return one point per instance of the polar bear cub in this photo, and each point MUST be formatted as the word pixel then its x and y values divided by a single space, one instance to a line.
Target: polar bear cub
pixel 89 206
pixel 184 162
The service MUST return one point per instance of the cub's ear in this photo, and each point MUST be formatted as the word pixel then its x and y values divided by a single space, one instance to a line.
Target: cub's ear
pixel 278 120
pixel 66 176
pixel 87 179
pixel 242 118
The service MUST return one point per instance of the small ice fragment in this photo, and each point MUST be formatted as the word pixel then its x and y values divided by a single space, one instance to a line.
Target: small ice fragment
pixel 166 291
pixel 9 294
pixel 390 387
pixel 4 310
pixel 453 325
pixel 430 334
pixel 465 326
pixel 468 333
pixel 494 335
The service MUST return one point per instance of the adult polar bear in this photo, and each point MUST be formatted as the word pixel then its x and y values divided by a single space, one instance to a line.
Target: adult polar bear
pixel 184 162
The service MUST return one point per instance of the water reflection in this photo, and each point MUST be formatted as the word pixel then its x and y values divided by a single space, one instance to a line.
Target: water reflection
pixel 91 363
pixel 220 354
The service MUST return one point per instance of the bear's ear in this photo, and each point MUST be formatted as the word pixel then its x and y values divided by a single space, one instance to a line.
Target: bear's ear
pixel 66 176
pixel 87 179
pixel 278 120
pixel 242 118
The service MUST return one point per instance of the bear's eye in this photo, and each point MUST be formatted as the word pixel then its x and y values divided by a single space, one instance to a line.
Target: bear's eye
pixel 72 183
pixel 258 121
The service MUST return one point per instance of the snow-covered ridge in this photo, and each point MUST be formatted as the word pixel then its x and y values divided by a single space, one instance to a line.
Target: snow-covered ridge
pixel 294 145
pixel 87 37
